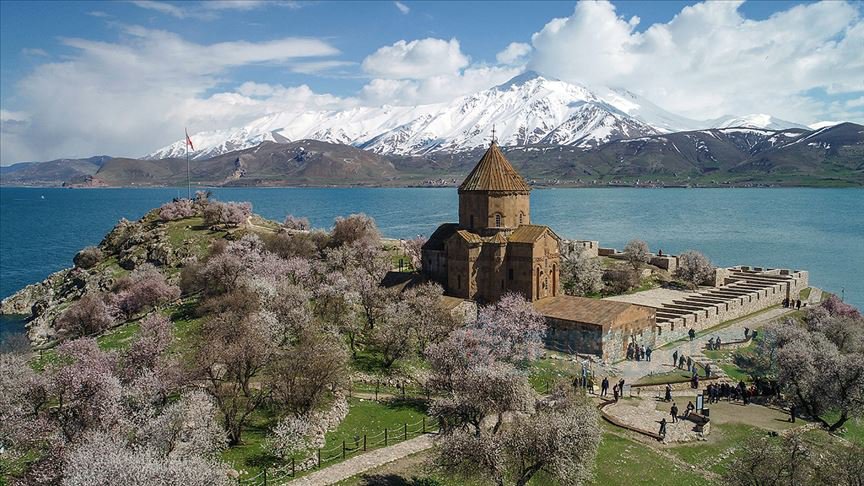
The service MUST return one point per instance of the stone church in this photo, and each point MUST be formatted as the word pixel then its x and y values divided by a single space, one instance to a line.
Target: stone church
pixel 494 248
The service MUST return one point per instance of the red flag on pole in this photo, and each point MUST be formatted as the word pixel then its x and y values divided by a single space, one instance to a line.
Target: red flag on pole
pixel 189 140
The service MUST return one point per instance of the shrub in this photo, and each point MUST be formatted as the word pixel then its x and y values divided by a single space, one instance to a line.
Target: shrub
pixel 88 257
pixel 620 280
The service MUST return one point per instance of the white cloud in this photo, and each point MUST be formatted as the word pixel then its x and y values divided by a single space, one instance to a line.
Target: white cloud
pixel 319 67
pixel 161 7
pixel 515 53
pixel 709 60
pixel 34 51
pixel 126 98
pixel 402 7
pixel 434 89
pixel 416 59
pixel 206 10
pixel 855 103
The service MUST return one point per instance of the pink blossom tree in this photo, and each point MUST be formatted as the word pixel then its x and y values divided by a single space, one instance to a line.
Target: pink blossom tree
pixel 229 214
pixel 516 329
pixel 295 223
pixel 178 209
pixel 413 249
pixel 355 229
pixel 146 287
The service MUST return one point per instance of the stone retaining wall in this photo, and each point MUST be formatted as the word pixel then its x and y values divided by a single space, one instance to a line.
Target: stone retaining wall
pixel 744 291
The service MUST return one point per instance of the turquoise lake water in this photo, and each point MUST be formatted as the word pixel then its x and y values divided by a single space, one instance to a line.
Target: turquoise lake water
pixel 820 230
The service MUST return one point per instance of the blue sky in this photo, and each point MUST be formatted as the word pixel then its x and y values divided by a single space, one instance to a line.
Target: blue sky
pixel 103 77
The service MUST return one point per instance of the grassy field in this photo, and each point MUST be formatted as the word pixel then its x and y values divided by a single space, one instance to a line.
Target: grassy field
pixel 680 376
pixel 620 460
pixel 365 417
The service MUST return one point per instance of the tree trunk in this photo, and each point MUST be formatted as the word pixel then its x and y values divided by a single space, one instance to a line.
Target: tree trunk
pixel 836 425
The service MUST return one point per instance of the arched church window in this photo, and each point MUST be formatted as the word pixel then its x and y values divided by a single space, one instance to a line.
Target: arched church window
pixel 497 220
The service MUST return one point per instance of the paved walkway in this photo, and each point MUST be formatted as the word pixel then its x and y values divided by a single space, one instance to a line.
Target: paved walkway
pixel 365 462
pixel 661 359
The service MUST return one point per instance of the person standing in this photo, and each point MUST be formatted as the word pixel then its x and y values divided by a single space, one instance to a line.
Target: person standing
pixel 798 304
pixel 604 386
pixel 692 334
pixel 615 392
pixel 793 412
pixel 662 432
pixel 621 386
pixel 707 370
pixel 668 392
pixel 674 412
pixel 746 333
pixel 675 358
pixel 689 363
pixel 648 353
pixel 681 362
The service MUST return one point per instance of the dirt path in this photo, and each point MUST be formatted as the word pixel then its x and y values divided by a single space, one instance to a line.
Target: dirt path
pixel 366 462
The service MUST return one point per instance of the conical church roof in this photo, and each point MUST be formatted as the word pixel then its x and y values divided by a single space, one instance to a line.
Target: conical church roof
pixel 494 173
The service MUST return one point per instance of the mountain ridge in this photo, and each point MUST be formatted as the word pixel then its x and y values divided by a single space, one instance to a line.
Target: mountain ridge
pixel 525 110
pixel 739 156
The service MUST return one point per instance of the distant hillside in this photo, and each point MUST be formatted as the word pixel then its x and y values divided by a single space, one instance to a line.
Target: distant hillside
pixel 52 173
pixel 269 164
pixel 830 156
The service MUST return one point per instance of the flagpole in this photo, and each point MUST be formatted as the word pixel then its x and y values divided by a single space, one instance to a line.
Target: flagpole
pixel 188 179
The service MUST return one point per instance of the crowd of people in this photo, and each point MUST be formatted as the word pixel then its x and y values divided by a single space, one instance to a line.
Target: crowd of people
pixel 793 303
pixel 732 393
pixel 638 352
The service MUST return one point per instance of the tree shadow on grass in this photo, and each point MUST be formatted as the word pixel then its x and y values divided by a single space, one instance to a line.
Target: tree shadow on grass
pixel 417 404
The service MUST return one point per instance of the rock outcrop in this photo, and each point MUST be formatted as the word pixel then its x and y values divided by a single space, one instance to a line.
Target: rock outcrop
pixel 128 246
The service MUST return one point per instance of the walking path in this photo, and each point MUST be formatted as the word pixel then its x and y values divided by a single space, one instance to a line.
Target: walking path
pixel 365 462
pixel 661 359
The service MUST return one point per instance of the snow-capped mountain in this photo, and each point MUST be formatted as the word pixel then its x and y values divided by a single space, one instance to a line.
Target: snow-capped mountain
pixel 528 109
pixel 756 120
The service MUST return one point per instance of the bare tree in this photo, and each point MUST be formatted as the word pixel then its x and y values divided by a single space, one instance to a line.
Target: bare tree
pixel 232 354
pixel 769 461
pixel 560 437
pixel 89 315
pixel 303 374
pixel 582 274
pixel 694 268
pixel 818 363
